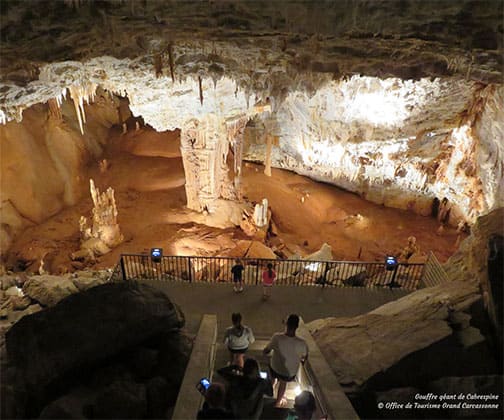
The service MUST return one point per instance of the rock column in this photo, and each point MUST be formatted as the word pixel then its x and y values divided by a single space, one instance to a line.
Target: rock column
pixel 205 145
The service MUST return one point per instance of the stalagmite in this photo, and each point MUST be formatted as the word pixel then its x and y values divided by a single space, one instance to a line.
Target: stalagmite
pixel 104 233
pixel 261 213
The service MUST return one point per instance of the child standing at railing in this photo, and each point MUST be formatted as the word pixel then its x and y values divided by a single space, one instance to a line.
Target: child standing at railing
pixel 237 270
pixel 268 278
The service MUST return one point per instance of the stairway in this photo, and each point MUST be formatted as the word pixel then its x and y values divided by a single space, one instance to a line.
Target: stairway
pixel 255 350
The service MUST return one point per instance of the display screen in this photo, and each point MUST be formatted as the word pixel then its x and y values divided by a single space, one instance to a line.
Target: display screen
pixel 390 262
pixel 205 382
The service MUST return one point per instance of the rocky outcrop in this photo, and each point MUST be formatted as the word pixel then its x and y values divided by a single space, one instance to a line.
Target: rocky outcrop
pixel 42 144
pixel 358 348
pixel 480 257
pixel 116 339
pixel 49 290
pixel 96 324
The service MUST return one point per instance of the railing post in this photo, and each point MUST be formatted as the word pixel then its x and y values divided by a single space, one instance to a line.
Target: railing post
pixel 392 282
pixel 122 268
pixel 189 268
pixel 324 279
pixel 257 272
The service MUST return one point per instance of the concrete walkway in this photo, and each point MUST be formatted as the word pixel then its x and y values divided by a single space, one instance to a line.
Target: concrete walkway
pixel 265 318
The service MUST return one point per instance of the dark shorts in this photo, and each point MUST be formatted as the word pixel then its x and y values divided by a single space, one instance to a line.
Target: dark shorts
pixel 240 351
pixel 237 280
pixel 281 377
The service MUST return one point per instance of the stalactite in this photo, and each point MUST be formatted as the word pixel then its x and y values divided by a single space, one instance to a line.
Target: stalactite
pixel 79 94
pixel 158 65
pixel 54 108
pixel 200 89
pixel 171 61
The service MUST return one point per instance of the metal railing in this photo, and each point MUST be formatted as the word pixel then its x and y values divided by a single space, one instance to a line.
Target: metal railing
pixel 434 272
pixel 288 272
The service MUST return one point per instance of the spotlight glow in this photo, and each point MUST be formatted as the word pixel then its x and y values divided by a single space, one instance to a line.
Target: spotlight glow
pixel 313 266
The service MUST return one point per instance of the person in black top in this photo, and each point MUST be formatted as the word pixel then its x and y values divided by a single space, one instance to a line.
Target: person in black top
pixel 237 271
pixel 214 406
pixel 246 392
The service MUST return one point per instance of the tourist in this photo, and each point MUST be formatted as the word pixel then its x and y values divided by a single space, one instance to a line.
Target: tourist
pixel 304 407
pixel 288 351
pixel 238 338
pixel 237 271
pixel 268 278
pixel 246 392
pixel 214 406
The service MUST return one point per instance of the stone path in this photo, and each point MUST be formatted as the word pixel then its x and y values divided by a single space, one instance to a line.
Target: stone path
pixel 265 318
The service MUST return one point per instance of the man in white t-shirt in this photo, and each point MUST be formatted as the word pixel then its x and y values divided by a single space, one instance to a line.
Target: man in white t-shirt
pixel 288 351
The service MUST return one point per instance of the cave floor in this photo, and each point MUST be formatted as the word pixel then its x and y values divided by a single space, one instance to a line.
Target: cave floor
pixel 146 173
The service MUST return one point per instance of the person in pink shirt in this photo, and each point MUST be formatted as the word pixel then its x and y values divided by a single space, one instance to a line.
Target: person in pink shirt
pixel 268 278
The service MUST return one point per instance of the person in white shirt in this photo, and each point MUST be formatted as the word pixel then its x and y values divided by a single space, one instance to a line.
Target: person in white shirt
pixel 238 338
pixel 288 351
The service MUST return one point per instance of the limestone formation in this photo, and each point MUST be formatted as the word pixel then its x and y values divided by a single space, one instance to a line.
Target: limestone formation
pixel 400 102
pixel 104 232
pixel 205 145
pixel 122 350
pixel 261 213
pixel 358 348
pixel 473 259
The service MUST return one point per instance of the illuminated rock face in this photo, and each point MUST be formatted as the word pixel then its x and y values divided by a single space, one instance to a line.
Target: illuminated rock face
pixel 398 143
pixel 42 161
pixel 421 124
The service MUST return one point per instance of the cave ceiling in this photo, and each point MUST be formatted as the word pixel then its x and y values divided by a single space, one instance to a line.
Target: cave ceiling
pixel 258 49
pixel 400 101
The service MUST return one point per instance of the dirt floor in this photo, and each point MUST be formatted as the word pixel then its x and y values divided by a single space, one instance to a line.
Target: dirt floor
pixel 146 173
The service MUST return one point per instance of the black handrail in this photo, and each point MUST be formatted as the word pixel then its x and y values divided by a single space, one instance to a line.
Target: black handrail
pixel 288 272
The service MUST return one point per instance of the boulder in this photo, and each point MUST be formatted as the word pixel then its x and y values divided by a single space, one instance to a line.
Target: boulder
pixel 142 362
pixel 323 254
pixel 85 280
pixel 121 400
pixel 157 401
pixel 86 328
pixel 14 291
pixel 15 316
pixel 19 303
pixel 358 348
pixel 259 250
pixel 7 282
pixel 49 290
pixel 70 406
